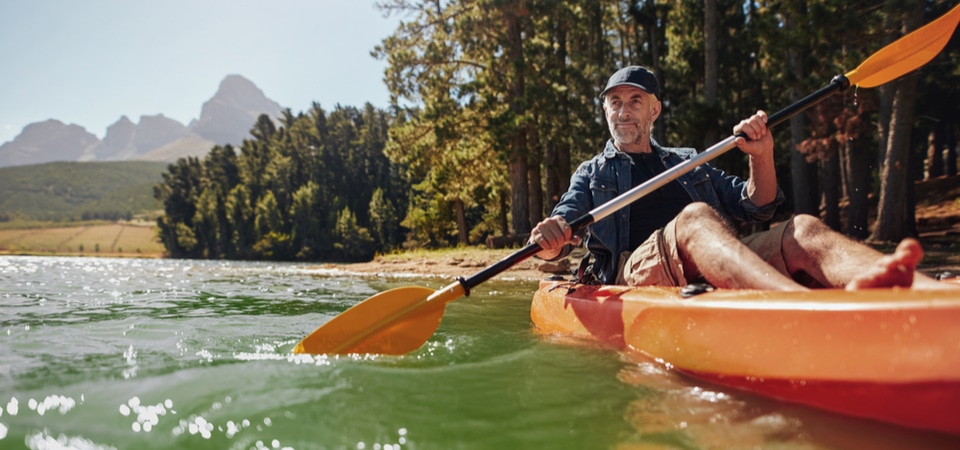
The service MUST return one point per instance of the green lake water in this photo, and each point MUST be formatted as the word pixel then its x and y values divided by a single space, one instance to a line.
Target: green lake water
pixel 100 353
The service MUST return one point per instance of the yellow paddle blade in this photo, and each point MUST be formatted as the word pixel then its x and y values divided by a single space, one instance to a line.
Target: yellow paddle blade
pixel 907 53
pixel 394 322
pixel 391 323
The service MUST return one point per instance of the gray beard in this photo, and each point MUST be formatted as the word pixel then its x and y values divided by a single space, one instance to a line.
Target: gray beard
pixel 631 137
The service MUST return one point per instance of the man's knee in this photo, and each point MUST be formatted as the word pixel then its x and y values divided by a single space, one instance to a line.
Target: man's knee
pixel 805 226
pixel 698 220
pixel 697 212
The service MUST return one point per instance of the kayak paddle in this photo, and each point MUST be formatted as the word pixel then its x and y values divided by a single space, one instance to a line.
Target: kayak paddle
pixel 401 320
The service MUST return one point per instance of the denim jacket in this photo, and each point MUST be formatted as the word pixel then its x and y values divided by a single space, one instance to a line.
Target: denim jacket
pixel 607 175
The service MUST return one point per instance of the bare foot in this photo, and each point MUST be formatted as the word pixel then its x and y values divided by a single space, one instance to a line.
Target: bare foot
pixel 892 270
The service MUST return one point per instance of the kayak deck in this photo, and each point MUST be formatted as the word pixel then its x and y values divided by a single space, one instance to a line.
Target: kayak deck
pixel 886 354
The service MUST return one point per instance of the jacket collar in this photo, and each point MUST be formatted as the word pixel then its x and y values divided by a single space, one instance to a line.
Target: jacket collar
pixel 610 151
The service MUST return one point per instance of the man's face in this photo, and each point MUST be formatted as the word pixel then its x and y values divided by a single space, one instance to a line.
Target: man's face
pixel 630 114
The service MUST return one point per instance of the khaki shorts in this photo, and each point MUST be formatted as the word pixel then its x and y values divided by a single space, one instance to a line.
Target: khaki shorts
pixel 656 262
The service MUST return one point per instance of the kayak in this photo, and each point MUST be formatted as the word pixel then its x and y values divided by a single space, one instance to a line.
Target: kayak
pixel 891 355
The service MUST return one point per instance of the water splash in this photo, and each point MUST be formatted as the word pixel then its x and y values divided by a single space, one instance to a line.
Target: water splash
pixel 45 440
pixel 131 358
pixel 147 416
pixel 52 403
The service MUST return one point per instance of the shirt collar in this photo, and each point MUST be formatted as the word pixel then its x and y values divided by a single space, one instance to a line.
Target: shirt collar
pixel 610 151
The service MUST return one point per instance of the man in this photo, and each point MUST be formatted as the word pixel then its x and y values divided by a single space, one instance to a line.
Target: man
pixel 680 233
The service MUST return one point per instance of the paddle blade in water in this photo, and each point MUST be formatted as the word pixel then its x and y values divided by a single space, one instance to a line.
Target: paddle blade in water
pixel 907 53
pixel 394 322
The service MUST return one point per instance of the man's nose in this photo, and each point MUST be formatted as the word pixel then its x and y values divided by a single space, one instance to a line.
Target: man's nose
pixel 623 111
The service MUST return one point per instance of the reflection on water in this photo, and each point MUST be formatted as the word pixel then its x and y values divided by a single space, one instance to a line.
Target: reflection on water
pixel 127 353
pixel 697 415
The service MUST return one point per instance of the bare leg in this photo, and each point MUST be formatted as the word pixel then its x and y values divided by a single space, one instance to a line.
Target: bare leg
pixel 709 248
pixel 837 261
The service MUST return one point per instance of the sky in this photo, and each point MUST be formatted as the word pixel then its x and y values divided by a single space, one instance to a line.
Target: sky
pixel 90 62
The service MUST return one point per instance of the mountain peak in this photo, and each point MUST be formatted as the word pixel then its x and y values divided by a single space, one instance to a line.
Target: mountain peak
pixel 228 117
pixel 238 82
pixel 50 140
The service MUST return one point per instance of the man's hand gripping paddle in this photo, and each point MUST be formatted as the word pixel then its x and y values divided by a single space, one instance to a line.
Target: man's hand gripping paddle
pixel 401 320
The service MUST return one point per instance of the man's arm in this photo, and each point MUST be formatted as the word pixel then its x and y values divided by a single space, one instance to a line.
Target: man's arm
pixel 762 184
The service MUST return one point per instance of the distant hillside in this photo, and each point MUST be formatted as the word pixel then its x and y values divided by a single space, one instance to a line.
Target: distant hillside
pixel 190 145
pixel 76 191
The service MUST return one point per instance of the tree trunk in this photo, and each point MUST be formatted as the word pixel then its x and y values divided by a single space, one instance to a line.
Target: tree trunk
pixel 803 174
pixel 952 149
pixel 558 161
pixel 504 210
pixel 884 115
pixel 831 191
pixel 519 184
pixel 711 69
pixel 535 191
pixel 463 232
pixel 885 91
pixel 557 179
pixel 857 163
pixel 895 176
pixel 551 180
pixel 934 163
pixel 915 159
pixel 654 24
pixel 565 170
pixel 892 217
pixel 519 205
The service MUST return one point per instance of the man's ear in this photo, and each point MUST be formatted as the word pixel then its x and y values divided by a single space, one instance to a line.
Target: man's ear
pixel 656 110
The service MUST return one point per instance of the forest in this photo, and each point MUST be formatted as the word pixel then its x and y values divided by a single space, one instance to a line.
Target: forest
pixel 494 102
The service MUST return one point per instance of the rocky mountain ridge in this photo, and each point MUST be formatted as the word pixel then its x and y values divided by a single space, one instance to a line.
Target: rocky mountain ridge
pixel 226 118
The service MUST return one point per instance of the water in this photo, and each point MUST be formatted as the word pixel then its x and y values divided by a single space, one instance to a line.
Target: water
pixel 140 354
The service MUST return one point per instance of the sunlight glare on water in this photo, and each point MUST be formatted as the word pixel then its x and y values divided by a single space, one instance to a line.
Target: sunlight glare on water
pixel 99 353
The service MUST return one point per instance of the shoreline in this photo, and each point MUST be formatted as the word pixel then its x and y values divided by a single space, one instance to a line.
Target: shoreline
pixel 448 264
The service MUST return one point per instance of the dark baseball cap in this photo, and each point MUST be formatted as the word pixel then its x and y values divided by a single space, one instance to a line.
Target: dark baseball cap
pixel 636 76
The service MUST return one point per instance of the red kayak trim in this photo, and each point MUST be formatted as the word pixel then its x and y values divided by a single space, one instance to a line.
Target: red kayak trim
pixel 886 354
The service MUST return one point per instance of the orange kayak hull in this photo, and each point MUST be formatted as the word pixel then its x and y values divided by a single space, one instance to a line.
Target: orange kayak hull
pixel 886 354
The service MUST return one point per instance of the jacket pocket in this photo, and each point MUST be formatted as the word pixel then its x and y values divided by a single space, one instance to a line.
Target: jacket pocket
pixel 602 191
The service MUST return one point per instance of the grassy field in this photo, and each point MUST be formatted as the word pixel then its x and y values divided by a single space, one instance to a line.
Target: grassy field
pixel 114 239
pixel 72 191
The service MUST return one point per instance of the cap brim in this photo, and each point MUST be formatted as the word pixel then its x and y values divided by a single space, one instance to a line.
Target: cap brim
pixel 626 83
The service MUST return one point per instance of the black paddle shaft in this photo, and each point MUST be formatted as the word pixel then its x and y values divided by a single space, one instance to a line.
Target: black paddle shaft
pixel 837 84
